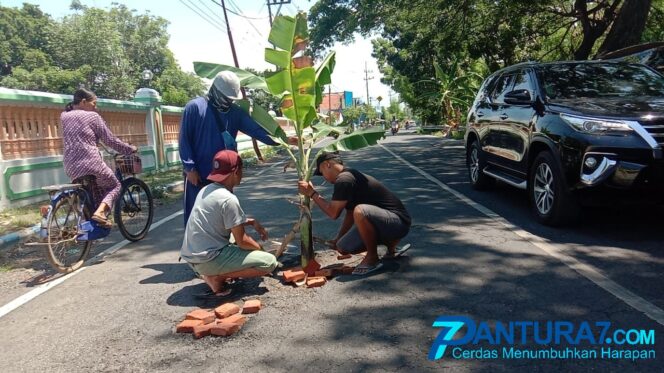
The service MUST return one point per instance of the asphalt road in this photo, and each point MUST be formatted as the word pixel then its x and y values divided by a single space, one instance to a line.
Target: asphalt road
pixel 119 315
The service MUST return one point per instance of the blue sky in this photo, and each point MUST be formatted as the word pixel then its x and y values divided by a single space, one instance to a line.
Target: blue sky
pixel 194 37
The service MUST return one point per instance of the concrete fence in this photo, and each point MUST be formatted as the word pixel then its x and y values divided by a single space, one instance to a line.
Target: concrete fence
pixel 31 138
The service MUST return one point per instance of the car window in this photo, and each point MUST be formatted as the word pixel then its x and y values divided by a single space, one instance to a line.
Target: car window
pixel 503 86
pixel 586 80
pixel 522 81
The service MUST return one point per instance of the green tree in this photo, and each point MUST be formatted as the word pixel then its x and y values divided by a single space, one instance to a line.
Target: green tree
pixel 412 34
pixel 105 50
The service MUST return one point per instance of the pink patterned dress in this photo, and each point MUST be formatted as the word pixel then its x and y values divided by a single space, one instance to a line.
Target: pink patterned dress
pixel 81 132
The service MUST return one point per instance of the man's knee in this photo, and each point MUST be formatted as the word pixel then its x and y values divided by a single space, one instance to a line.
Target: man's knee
pixel 267 263
pixel 359 213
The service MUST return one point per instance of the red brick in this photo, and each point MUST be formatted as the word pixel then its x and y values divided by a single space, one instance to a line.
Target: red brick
pixel 224 329
pixel 344 256
pixel 314 282
pixel 327 272
pixel 251 306
pixel 187 326
pixel 311 267
pixel 294 275
pixel 235 319
pixel 203 315
pixel 226 310
pixel 347 270
pixel 201 331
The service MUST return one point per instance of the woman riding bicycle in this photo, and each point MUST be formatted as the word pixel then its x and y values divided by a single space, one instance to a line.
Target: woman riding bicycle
pixel 82 129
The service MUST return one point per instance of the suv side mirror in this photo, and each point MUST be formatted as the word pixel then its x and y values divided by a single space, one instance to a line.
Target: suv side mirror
pixel 518 97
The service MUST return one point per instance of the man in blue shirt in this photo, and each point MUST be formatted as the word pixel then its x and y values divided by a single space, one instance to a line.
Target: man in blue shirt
pixel 210 124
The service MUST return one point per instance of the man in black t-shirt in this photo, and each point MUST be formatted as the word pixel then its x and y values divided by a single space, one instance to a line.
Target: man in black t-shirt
pixel 374 215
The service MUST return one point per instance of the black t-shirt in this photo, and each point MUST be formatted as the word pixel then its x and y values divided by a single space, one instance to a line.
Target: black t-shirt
pixel 357 188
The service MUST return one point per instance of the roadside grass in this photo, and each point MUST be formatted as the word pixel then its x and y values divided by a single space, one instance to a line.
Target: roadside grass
pixel 5 268
pixel 15 219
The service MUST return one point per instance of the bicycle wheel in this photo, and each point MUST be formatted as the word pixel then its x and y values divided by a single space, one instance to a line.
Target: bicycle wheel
pixel 64 252
pixel 134 209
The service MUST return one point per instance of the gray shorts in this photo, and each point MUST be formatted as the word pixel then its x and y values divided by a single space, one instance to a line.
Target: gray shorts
pixel 233 259
pixel 388 226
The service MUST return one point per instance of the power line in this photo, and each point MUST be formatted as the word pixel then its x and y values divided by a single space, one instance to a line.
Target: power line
pixel 204 13
pixel 210 10
pixel 203 17
pixel 242 15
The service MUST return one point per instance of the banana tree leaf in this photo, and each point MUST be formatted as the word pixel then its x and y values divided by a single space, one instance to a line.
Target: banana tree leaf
pixel 276 57
pixel 280 83
pixel 324 75
pixel 323 130
pixel 262 117
pixel 248 80
pixel 356 140
pixel 283 33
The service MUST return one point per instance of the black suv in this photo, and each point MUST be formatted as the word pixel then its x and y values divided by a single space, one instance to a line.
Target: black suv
pixel 569 131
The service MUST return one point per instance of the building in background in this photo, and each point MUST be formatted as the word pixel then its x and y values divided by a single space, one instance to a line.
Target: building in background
pixel 333 103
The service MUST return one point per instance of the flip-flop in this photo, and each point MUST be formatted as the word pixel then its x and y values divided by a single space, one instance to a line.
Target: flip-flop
pixel 209 295
pixel 366 269
pixel 398 252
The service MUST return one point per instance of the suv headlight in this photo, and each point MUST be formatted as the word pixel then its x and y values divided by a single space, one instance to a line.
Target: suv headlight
pixel 596 125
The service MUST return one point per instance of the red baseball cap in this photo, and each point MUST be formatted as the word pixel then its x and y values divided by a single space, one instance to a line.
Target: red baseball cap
pixel 225 162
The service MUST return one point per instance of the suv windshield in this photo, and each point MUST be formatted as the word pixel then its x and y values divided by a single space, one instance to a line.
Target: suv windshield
pixel 581 80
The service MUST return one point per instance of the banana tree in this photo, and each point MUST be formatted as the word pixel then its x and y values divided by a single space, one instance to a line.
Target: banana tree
pixel 300 87
pixel 454 90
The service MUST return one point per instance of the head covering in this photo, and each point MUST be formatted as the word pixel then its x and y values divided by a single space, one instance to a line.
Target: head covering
pixel 326 156
pixel 225 162
pixel 228 84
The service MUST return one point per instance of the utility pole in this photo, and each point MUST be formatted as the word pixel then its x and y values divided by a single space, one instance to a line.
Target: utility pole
pixel 275 2
pixel 366 80
pixel 329 102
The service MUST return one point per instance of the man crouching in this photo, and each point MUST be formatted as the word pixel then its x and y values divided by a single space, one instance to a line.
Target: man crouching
pixel 215 215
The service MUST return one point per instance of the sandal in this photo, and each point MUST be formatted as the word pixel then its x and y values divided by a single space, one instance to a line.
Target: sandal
pixel 209 295
pixel 102 220
pixel 366 269
pixel 398 252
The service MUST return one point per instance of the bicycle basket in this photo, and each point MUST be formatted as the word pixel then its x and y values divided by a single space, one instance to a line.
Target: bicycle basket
pixel 129 164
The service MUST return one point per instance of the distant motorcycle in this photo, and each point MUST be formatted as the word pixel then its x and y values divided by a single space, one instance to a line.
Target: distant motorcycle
pixel 395 130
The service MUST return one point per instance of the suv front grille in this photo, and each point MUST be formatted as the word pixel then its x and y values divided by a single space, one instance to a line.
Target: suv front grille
pixel 656 129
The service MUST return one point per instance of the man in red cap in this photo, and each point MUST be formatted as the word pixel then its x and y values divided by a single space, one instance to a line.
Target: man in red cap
pixel 215 215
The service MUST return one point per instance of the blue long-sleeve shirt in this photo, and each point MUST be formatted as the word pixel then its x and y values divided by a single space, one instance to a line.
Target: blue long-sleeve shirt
pixel 201 139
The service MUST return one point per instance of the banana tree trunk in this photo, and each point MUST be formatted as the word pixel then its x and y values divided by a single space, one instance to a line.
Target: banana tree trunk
pixel 307 258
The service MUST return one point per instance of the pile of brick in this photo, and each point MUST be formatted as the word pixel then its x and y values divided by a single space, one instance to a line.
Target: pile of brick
pixel 299 277
pixel 224 320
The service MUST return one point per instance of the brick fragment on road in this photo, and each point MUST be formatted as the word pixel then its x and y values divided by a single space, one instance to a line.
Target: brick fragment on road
pixel 325 272
pixel 314 282
pixel 203 315
pixel 293 275
pixel 226 310
pixel 187 326
pixel 238 318
pixel 224 329
pixel 347 270
pixel 201 331
pixel 251 306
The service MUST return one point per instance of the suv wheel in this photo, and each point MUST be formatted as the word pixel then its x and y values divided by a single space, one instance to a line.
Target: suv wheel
pixel 551 203
pixel 475 163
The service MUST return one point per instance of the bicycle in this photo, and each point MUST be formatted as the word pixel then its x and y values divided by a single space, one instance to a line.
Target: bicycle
pixel 66 224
